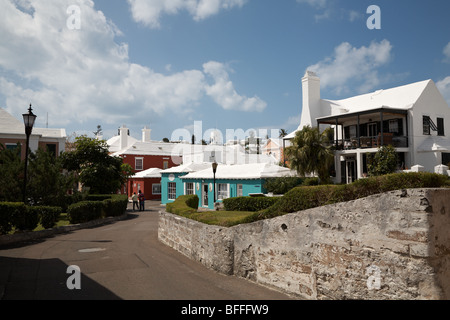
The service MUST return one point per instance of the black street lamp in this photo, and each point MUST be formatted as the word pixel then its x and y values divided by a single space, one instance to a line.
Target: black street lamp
pixel 214 167
pixel 28 119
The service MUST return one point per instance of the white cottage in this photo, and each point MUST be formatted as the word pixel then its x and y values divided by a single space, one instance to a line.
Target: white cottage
pixel 414 118
pixel 12 132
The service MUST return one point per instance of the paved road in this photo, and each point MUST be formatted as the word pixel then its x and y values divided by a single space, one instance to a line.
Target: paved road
pixel 121 260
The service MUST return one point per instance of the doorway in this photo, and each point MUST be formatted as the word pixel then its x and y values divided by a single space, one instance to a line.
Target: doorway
pixel 205 202
pixel 351 169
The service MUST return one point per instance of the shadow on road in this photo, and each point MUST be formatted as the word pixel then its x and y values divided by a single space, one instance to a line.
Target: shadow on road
pixel 29 279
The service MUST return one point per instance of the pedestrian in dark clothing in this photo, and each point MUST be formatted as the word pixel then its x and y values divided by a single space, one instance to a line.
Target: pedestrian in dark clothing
pixel 141 201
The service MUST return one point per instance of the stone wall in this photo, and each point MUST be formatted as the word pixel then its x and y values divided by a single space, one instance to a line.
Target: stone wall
pixel 390 246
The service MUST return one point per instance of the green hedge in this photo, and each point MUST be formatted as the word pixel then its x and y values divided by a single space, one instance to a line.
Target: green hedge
pixel 9 212
pixel 16 215
pixel 84 211
pixel 184 205
pixel 48 216
pixel 103 206
pixel 252 204
pixel 115 206
pixel 302 198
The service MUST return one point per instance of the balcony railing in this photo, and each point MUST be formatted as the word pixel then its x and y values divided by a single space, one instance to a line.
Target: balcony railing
pixel 367 142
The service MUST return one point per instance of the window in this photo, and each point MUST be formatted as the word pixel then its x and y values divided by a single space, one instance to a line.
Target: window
pixel 429 125
pixel 171 190
pixel 51 148
pixel 166 165
pixel 393 126
pixel 240 191
pixel 222 191
pixel 189 188
pixel 156 188
pixel 446 159
pixel 426 125
pixel 139 164
pixel 352 131
pixel 440 127
pixel 11 146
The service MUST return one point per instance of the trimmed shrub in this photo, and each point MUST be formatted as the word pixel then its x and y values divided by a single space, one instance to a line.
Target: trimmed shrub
pixel 281 185
pixel 302 198
pixel 184 205
pixel 85 211
pixel 25 219
pixel 248 203
pixel 9 213
pixel 98 197
pixel 48 216
pixel 115 206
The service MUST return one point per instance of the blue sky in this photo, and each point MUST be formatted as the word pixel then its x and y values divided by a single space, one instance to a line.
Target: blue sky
pixel 232 64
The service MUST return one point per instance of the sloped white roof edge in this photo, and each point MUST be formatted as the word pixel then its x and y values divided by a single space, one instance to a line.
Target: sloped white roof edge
pixel 243 172
pixel 188 167
pixel 150 173
pixel 402 97
pixel 10 125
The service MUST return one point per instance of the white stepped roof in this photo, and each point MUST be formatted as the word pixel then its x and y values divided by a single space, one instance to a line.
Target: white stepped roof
pixel 245 172
pixel 150 148
pixel 403 97
pixel 189 167
pixel 11 125
pixel 150 173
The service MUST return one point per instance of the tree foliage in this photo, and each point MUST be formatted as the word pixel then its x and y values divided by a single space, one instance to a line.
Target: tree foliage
pixel 48 182
pixel 96 169
pixel 311 152
pixel 385 161
pixel 11 174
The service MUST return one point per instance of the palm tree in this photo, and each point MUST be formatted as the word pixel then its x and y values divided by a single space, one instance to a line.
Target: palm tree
pixel 311 152
pixel 283 133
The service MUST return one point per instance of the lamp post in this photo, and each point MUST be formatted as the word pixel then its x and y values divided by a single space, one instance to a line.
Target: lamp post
pixel 214 167
pixel 28 119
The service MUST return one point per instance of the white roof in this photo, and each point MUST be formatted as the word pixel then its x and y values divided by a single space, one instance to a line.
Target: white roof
pixel 11 125
pixel 150 173
pixel 114 143
pixel 245 172
pixel 403 97
pixel 149 148
pixel 227 154
pixel 189 167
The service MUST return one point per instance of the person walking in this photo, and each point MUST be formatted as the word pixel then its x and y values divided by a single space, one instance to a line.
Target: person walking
pixel 141 201
pixel 135 200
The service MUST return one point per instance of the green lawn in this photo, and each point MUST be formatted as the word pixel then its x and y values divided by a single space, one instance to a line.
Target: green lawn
pixel 220 218
pixel 63 221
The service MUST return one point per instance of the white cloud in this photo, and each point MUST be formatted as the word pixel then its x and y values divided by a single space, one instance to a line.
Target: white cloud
pixel 223 92
pixel 80 75
pixel 447 53
pixel 444 87
pixel 149 12
pixel 353 66
pixel 315 3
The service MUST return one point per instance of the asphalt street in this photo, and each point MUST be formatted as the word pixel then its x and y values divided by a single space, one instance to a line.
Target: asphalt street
pixel 122 260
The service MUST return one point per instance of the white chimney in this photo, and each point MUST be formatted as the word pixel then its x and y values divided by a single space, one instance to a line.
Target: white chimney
pixel 146 134
pixel 312 108
pixel 123 132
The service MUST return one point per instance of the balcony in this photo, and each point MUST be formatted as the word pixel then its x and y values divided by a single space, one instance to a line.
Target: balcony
pixel 369 129
pixel 366 142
